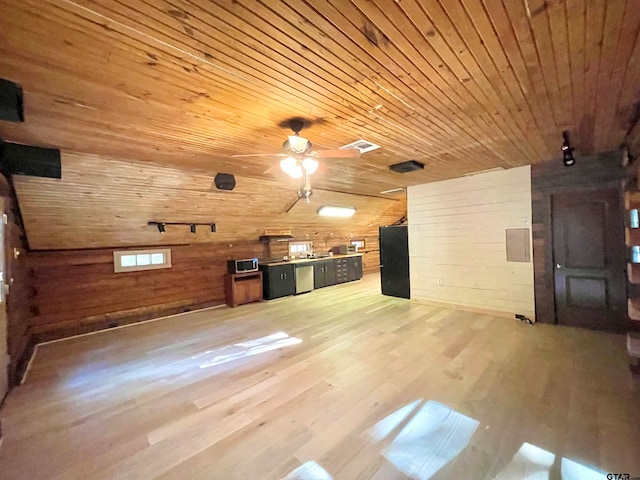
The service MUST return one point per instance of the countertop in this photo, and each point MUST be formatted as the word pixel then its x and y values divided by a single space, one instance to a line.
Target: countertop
pixel 308 260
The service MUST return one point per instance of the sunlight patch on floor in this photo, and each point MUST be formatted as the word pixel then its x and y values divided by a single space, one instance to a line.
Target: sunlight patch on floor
pixel 229 353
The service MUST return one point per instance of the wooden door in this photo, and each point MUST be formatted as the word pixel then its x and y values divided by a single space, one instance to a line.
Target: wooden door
pixel 4 334
pixel 589 260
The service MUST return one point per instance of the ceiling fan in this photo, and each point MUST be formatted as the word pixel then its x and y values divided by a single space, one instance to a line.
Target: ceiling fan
pixel 299 160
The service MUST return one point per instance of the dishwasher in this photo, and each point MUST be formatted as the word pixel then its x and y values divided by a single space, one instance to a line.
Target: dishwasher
pixel 304 277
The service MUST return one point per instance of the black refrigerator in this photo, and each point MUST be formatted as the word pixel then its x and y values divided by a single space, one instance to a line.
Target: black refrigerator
pixel 394 261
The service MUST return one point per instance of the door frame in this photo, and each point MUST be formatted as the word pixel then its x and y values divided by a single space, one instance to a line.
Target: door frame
pixel 621 310
pixel 591 172
pixel 5 359
pixel 549 265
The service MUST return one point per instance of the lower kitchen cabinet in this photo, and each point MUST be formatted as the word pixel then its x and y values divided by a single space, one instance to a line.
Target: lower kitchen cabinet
pixel 354 267
pixel 241 288
pixel 324 273
pixel 278 281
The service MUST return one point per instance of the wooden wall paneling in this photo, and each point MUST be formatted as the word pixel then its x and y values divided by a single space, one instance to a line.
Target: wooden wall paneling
pixel 386 60
pixel 535 119
pixel 78 291
pixel 594 24
pixel 18 275
pixel 594 172
pixel 576 20
pixel 90 209
pixel 463 86
pixel 539 14
pixel 407 47
pixel 457 242
pixel 612 30
pixel 527 78
pixel 465 44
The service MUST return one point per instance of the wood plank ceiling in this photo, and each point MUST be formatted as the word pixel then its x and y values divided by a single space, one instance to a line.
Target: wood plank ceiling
pixel 460 85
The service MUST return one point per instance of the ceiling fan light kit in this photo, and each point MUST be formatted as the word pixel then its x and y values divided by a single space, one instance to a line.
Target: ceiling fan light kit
pixel 296 168
pixel 299 160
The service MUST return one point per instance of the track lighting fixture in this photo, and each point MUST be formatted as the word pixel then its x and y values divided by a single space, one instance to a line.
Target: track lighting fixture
pixel 192 226
pixel 567 150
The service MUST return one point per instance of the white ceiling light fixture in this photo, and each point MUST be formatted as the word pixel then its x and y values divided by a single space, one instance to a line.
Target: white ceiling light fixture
pixel 335 211
pixel 394 190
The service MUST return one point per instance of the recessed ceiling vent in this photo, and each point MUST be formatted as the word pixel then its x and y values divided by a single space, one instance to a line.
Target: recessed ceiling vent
pixel 361 145
pixel 408 166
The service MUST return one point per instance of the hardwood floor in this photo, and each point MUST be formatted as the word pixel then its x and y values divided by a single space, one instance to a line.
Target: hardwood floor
pixel 190 397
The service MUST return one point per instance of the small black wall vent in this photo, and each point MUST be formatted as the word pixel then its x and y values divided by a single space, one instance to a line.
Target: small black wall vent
pixel 408 166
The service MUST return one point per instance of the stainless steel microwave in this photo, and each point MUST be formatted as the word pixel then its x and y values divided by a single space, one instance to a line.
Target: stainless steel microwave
pixel 244 265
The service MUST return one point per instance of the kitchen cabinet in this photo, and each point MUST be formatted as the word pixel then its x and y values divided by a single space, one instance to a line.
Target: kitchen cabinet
pixel 354 267
pixel 241 288
pixel 278 281
pixel 324 273
pixel 342 270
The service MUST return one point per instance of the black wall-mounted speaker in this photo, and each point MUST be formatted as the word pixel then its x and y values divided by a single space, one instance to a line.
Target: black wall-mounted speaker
pixel 11 101
pixel 32 161
pixel 225 181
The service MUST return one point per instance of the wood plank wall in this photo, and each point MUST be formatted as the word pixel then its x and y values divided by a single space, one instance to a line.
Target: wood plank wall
pixel 457 242
pixel 77 291
pixel 588 173
pixel 20 297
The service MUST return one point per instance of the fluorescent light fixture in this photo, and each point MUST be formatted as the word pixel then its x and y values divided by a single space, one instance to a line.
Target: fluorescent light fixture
pixel 394 190
pixel 333 211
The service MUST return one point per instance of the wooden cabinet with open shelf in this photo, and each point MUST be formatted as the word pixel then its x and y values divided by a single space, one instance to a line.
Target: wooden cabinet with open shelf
pixel 241 288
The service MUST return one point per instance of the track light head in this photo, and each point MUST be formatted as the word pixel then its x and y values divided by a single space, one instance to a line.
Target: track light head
pixel 160 227
pixel 193 228
pixel 567 150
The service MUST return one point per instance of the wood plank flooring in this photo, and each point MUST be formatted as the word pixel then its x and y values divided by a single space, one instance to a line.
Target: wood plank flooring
pixel 190 397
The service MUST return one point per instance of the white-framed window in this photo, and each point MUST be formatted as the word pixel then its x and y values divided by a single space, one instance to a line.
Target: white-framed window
pixel 359 244
pixel 297 249
pixel 132 260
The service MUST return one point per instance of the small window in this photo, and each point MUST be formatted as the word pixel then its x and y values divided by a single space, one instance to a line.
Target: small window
pixel 297 249
pixel 359 244
pixel 133 260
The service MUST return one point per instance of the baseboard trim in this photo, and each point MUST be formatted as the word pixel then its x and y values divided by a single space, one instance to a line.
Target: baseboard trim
pixel 467 308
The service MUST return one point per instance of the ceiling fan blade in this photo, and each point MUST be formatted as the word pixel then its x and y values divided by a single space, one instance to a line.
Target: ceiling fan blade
pixel 271 168
pixel 341 153
pixel 293 204
pixel 261 155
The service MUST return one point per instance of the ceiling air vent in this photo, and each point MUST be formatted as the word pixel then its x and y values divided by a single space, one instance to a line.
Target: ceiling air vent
pixel 408 166
pixel 362 145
